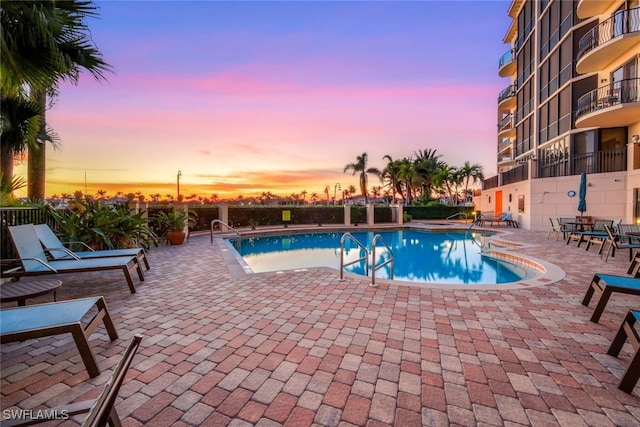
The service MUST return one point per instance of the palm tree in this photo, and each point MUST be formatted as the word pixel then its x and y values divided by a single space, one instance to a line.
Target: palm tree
pixel 42 44
pixel 390 173
pixel 448 179
pixel 361 166
pixel 427 163
pixel 407 174
pixel 471 172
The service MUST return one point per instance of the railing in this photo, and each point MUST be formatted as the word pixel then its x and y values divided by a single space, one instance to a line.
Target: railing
pixel 365 257
pixel 506 142
pixel 508 92
pixel 505 122
pixel 575 164
pixel 19 216
pixel 462 214
pixel 375 266
pixel 490 183
pixel 217 221
pixel 517 174
pixel 620 92
pixel 507 57
pixel 622 22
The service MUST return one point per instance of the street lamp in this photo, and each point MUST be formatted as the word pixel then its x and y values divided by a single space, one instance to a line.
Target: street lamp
pixel 179 175
pixel 335 192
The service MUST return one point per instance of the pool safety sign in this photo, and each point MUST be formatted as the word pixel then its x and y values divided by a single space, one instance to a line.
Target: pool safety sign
pixel 286 216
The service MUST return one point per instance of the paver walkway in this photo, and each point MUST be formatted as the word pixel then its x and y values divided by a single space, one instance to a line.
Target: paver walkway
pixel 303 348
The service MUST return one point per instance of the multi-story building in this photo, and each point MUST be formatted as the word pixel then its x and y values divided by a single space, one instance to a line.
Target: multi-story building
pixel 571 105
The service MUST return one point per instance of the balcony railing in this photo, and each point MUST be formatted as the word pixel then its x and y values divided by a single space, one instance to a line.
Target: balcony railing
pixel 507 92
pixel 517 174
pixel 575 164
pixel 619 92
pixel 490 183
pixel 506 142
pixel 506 122
pixel 622 22
pixel 507 57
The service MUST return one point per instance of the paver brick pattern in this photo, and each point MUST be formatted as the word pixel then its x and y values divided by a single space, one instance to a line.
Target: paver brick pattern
pixel 302 348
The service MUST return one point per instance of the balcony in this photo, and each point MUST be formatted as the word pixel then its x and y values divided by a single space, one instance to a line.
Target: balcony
pixel 504 144
pixel 614 105
pixel 588 8
pixel 507 98
pixel 507 65
pixel 506 126
pixel 575 164
pixel 608 40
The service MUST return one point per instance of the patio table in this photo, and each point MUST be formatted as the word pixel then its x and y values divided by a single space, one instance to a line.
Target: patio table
pixel 20 291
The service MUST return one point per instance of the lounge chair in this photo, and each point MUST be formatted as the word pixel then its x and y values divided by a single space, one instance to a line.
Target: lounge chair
pixel 607 284
pixel 101 410
pixel 57 249
pixel 44 320
pixel 597 231
pixel 628 330
pixel 616 242
pixel 34 262
pixel 555 227
pixel 505 217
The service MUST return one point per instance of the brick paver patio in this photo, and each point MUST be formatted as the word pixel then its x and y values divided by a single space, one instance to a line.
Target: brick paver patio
pixel 303 348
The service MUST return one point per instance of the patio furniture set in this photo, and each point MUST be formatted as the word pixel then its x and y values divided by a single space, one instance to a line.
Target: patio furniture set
pixel 41 252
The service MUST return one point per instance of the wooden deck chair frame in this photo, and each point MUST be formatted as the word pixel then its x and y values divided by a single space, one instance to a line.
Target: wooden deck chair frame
pixel 58 250
pixel 45 322
pixel 555 227
pixel 614 243
pixel 600 286
pixel 628 330
pixel 102 410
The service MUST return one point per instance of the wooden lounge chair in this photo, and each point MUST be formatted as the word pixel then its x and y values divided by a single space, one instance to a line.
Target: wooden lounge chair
pixel 34 262
pixel 555 228
pixel 102 410
pixel 58 250
pixel 44 320
pixel 614 242
pixel 598 231
pixel 606 284
pixel 628 330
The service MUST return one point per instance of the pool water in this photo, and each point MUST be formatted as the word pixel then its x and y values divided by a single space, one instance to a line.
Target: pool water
pixel 419 256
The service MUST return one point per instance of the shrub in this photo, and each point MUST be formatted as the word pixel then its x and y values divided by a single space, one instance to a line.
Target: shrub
pixel 103 226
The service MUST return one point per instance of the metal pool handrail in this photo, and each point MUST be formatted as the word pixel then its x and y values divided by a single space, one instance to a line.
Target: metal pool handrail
pixel 463 214
pixel 374 267
pixel 346 236
pixel 225 224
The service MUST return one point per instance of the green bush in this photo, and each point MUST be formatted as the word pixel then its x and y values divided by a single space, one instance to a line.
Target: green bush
pixel 103 226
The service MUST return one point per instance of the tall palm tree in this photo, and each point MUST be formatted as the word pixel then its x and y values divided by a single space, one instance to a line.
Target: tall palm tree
pixel 408 176
pixel 426 164
pixel 390 173
pixel 471 172
pixel 360 166
pixel 43 43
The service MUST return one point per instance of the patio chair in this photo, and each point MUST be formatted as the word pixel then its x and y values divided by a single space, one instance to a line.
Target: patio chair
pixel 606 284
pixel 34 262
pixel 597 231
pixel 615 241
pixel 555 227
pixel 628 330
pixel 58 250
pixel 567 226
pixel 625 229
pixel 101 410
pixel 44 320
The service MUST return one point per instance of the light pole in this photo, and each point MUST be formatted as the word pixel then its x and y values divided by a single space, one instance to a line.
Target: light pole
pixel 179 175
pixel 335 192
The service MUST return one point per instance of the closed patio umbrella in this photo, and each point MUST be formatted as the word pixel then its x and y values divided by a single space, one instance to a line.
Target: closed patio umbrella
pixel 582 194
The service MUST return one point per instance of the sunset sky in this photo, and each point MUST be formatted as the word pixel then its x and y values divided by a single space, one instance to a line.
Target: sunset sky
pixel 246 97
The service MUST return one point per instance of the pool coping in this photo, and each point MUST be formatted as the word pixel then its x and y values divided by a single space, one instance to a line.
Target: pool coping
pixel 499 246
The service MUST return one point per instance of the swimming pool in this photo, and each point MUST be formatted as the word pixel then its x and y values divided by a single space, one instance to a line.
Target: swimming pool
pixel 419 256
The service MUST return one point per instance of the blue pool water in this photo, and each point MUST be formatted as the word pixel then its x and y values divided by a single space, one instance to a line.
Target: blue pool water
pixel 419 256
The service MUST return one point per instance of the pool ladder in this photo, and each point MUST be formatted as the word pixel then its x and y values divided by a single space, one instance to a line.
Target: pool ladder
pixel 217 221
pixel 365 257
